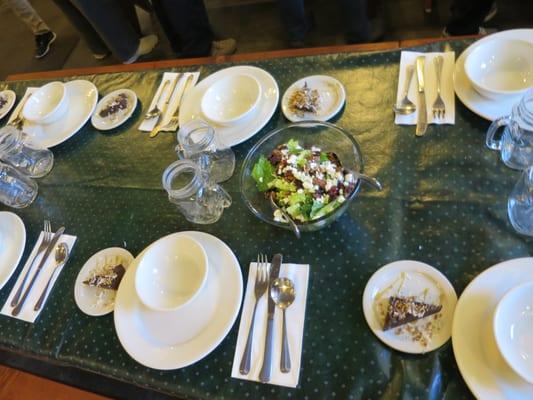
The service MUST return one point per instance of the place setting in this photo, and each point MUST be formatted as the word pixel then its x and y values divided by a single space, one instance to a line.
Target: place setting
pixel 39 274
pixel 53 113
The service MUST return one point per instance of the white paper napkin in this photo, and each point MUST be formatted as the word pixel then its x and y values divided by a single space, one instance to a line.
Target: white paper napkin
pixel 27 313
pixel 29 91
pixel 295 316
pixel 149 124
pixel 430 73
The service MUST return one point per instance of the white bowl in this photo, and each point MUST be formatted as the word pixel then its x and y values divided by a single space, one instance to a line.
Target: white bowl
pixel 171 273
pixel 501 67
pixel 231 99
pixel 513 329
pixel 47 104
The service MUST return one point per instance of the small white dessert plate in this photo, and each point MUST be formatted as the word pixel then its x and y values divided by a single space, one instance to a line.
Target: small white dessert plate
pixel 482 106
pixel 480 362
pixel 232 135
pixel 9 97
pixel 104 122
pixel 82 98
pixel 12 242
pixel 404 279
pixel 332 98
pixel 87 297
pixel 176 339
pixel 513 326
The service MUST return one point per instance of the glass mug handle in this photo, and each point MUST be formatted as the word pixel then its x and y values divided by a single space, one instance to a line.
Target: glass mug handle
pixel 491 142
pixel 225 198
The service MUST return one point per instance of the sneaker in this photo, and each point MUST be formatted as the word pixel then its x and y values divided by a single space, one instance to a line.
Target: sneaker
pixel 223 47
pixel 43 42
pixel 146 45
pixel 101 56
pixel 481 31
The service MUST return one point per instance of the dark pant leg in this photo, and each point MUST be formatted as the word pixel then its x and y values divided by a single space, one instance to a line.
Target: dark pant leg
pixel 294 19
pixel 186 25
pixel 83 26
pixel 467 16
pixel 112 24
pixel 356 23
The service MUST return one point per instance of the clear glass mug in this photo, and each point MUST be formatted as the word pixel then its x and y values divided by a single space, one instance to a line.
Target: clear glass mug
pixel 516 142
pixel 520 204
pixel 16 189
pixel 199 199
pixel 17 150
pixel 197 138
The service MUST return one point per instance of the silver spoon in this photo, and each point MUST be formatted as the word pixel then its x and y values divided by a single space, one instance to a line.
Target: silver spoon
pixel 283 294
pixel 291 222
pixel 156 112
pixel 406 106
pixel 61 255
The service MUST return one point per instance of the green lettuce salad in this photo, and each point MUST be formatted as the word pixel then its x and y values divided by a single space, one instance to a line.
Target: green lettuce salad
pixel 307 183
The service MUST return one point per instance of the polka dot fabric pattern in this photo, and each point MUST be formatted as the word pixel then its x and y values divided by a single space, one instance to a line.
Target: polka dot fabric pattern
pixel 443 203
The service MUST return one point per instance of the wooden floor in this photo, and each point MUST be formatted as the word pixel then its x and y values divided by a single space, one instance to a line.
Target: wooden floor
pixel 18 385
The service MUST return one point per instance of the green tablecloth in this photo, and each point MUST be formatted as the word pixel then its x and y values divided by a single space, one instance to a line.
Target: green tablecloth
pixel 443 203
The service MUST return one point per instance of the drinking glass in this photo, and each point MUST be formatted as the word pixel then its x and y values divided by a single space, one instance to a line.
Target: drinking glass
pixel 17 150
pixel 520 204
pixel 16 189
pixel 197 138
pixel 198 198
pixel 516 142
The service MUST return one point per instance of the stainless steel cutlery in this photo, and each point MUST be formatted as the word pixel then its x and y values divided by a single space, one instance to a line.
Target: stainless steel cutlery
pixel 61 256
pixel 158 126
pixel 439 108
pixel 421 121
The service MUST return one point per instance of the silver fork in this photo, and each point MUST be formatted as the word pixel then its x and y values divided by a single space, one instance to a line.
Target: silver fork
pixel 175 117
pixel 439 108
pixel 47 237
pixel 260 287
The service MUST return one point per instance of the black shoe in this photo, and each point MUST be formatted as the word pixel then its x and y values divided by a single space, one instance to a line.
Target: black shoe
pixel 43 42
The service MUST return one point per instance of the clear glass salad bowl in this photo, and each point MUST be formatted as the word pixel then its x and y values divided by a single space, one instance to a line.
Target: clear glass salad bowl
pixel 326 136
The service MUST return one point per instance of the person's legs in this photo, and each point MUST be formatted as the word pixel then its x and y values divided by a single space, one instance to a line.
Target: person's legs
pixel 467 16
pixel 186 25
pixel 115 29
pixel 355 20
pixel 295 20
pixel 24 10
pixel 91 37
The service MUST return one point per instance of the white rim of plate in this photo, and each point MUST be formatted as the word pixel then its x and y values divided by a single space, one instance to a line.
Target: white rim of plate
pixel 79 286
pixel 232 135
pixel 325 79
pixel 97 121
pixel 393 269
pixel 480 363
pixel 12 96
pixel 475 102
pixel 151 359
pixel 16 220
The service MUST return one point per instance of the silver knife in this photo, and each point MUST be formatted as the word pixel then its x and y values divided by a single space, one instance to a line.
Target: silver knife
pixel 49 249
pixel 161 116
pixel 264 375
pixel 422 116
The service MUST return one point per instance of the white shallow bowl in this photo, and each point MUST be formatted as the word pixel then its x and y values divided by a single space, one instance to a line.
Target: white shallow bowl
pixel 231 99
pixel 47 104
pixel 501 68
pixel 171 273
pixel 513 329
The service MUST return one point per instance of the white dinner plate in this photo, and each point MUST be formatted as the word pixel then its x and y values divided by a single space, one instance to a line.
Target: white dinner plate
pixel 241 131
pixel 111 122
pixel 10 98
pixel 482 106
pixel 86 296
pixel 411 278
pixel 175 339
pixel 82 97
pixel 12 242
pixel 332 98
pixel 482 366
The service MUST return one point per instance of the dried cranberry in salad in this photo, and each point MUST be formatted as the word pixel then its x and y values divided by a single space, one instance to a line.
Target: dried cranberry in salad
pixel 307 183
